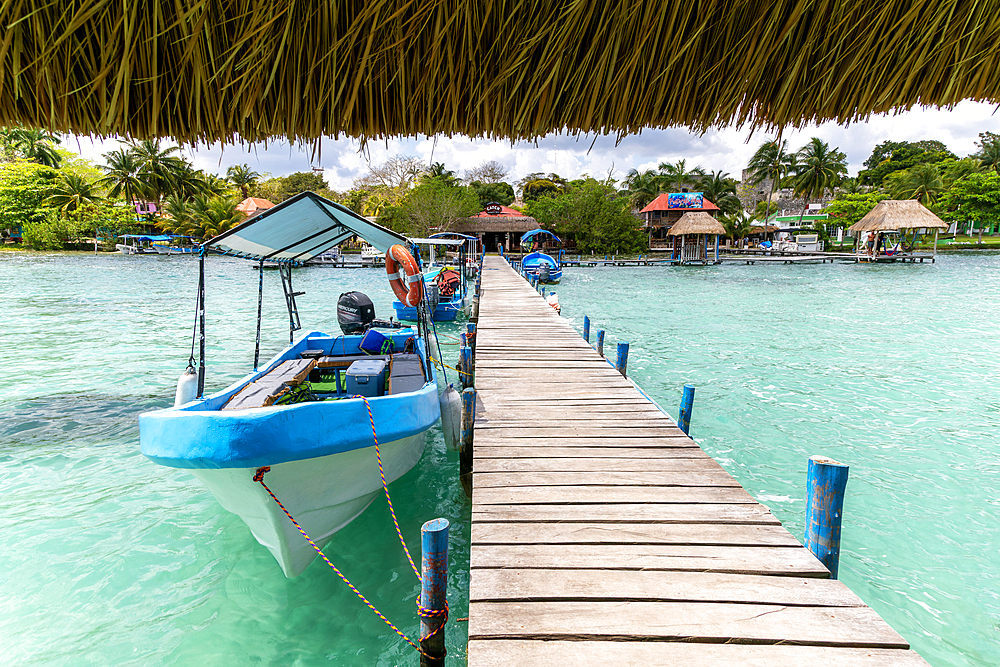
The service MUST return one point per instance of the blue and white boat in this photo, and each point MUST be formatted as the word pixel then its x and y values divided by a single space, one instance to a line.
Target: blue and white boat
pixel 296 414
pixel 547 268
pixel 448 283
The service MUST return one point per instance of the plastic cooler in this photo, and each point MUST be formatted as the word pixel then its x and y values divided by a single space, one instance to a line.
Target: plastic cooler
pixel 366 377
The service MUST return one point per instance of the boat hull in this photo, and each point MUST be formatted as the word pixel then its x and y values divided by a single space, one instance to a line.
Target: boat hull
pixel 446 311
pixel 323 494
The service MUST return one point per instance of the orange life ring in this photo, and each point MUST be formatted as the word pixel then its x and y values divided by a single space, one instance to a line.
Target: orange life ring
pixel 409 294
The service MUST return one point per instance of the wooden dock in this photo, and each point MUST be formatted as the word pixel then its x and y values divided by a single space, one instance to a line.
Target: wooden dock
pixel 601 534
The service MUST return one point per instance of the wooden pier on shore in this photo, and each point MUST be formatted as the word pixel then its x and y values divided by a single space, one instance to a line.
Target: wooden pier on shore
pixel 602 534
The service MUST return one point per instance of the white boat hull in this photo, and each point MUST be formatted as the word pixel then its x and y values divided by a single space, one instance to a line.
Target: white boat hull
pixel 324 494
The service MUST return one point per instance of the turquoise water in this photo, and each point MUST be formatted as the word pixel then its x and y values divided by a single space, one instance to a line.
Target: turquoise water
pixel 890 369
pixel 109 559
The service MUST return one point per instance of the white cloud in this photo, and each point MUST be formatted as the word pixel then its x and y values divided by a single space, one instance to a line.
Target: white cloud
pixel 727 149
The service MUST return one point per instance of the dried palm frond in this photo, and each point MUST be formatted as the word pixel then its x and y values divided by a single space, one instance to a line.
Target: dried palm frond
pixel 895 214
pixel 696 222
pixel 227 70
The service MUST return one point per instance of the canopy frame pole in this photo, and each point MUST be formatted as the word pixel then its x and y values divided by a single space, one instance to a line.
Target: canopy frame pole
pixel 294 323
pixel 260 303
pixel 936 232
pixel 201 323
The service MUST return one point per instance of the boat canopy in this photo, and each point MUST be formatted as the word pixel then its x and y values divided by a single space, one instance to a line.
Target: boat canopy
pixel 434 241
pixel 539 232
pixel 452 235
pixel 299 229
pixel 147 237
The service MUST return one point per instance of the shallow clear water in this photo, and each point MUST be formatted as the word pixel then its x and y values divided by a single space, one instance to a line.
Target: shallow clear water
pixel 109 559
pixel 890 369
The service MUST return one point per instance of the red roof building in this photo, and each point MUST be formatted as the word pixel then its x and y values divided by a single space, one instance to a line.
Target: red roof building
pixel 497 224
pixel 253 205
pixel 660 214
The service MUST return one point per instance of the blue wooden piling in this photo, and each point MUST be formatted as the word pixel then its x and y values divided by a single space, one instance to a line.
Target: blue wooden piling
pixel 465 448
pixel 586 328
pixel 687 404
pixel 826 481
pixel 433 591
pixel 600 342
pixel 470 335
pixel 622 363
pixel 465 352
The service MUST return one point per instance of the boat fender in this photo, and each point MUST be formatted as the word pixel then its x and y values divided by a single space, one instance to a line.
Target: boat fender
pixel 187 387
pixel 451 417
pixel 553 301
pixel 411 292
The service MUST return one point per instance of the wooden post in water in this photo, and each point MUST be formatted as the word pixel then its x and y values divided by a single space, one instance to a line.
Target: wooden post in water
pixel 600 342
pixel 826 481
pixel 586 328
pixel 465 354
pixel 622 362
pixel 465 449
pixel 433 591
pixel 470 336
pixel 687 404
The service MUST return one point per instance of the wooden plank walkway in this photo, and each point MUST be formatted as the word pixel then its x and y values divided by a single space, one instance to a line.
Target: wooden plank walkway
pixel 602 534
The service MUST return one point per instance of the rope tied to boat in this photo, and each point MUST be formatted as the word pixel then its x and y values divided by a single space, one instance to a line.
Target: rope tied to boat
pixel 423 612
pixel 438 362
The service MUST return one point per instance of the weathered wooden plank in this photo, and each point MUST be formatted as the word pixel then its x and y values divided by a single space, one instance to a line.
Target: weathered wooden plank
pixel 596 465
pixel 599 478
pixel 650 585
pixel 527 653
pixel 590 431
pixel 488 438
pixel 707 622
pixel 632 533
pixel 626 513
pixel 483 451
pixel 558 495
pixel 620 421
pixel 771 561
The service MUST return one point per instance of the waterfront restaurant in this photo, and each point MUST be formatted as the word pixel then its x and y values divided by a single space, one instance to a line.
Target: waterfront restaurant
pixel 497 225
pixel 663 212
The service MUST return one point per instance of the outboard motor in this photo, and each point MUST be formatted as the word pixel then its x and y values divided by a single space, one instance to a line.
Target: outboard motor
pixel 543 272
pixel 355 312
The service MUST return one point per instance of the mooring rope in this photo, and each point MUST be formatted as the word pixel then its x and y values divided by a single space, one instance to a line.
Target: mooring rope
pixel 422 612
pixel 457 370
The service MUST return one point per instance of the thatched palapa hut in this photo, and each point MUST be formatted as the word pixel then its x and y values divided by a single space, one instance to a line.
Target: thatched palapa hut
pixel 880 235
pixel 692 235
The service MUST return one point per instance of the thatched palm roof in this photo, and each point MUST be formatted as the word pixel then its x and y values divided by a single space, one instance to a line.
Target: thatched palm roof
pixel 253 69
pixel 898 214
pixel 696 222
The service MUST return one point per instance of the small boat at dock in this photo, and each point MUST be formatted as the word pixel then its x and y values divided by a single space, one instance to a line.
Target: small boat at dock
pixel 309 419
pixel 545 267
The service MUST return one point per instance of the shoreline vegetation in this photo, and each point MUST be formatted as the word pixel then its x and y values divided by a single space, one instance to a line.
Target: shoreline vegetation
pixel 51 198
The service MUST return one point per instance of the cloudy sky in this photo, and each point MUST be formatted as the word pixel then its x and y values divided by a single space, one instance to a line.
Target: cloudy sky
pixel 727 149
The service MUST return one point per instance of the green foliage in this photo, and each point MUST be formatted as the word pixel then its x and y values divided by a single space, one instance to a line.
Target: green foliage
pixel 989 150
pixel 976 197
pixel 433 206
pixel 892 156
pixel 818 169
pixel 537 185
pixel 502 193
pixel 279 189
pixel 848 208
pixel 594 215
pixel 24 187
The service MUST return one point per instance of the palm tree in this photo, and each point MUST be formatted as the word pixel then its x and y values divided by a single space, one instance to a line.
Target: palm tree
pixel 71 192
pixel 214 215
pixel 922 182
pixel 769 163
pixel 676 177
pixel 122 178
pixel 188 182
pixel 32 144
pixel 738 224
pixel 243 177
pixel 851 186
pixel 720 189
pixel 179 217
pixel 989 155
pixel 641 187
pixel 159 168
pixel 820 169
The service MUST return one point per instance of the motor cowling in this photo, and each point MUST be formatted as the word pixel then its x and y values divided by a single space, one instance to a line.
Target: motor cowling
pixel 355 312
pixel 543 272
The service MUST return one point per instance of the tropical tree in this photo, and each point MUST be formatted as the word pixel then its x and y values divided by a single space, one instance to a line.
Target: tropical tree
pixel 819 170
pixel 438 171
pixel 488 172
pixel 71 192
pixel 593 214
pixel 243 177
pixel 214 215
pixel 32 145
pixel 738 224
pixel 122 179
pixel 537 185
pixel 641 187
pixel 676 177
pixel 769 163
pixel 922 182
pixel 159 168
pixel 720 189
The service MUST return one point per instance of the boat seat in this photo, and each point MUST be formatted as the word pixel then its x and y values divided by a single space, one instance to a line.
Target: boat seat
pixel 406 373
pixel 267 389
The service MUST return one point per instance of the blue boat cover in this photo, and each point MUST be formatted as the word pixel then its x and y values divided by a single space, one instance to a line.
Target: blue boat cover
pixel 539 232
pixel 299 229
